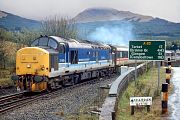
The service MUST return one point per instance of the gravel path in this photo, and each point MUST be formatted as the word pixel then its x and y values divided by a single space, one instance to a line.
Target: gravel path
pixel 6 91
pixel 52 107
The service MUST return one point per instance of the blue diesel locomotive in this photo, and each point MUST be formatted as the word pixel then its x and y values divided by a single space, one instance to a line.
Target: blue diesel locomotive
pixel 52 62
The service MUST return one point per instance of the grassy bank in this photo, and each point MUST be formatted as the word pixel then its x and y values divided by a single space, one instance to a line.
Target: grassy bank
pixel 5 78
pixel 146 85
pixel 6 82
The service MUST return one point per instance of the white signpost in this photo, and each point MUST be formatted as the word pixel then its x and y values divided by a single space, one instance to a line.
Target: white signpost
pixel 135 101
pixel 140 101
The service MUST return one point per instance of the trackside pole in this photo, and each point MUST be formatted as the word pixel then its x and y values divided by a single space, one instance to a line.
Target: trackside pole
pixel 135 69
pixel 168 71
pixel 132 110
pixel 158 75
pixel 164 98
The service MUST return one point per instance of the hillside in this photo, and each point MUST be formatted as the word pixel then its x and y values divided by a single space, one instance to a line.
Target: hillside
pixel 93 20
pixel 109 14
pixel 14 22
pixel 101 23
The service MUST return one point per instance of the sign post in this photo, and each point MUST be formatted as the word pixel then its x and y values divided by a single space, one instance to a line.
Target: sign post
pixel 158 74
pixel 135 69
pixel 147 50
pixel 140 101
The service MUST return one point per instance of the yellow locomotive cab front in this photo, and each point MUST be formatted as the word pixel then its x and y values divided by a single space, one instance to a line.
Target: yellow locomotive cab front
pixel 32 66
pixel 32 60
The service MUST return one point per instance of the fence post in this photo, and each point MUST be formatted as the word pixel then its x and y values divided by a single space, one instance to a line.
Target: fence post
pixel 148 108
pixel 169 62
pixel 132 110
pixel 168 75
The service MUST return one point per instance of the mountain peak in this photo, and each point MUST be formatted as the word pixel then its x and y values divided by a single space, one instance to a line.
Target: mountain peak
pixel 100 9
pixel 109 14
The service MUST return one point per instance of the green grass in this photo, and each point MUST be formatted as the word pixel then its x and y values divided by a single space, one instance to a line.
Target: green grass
pixel 83 116
pixel 5 78
pixel 6 82
pixel 145 85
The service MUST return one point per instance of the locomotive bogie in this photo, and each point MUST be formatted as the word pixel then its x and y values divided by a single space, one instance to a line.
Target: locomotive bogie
pixel 31 83
pixel 38 87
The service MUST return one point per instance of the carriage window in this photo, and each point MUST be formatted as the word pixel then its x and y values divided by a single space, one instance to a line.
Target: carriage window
pixel 52 44
pixel 177 54
pixel 125 54
pixel 43 41
pixel 118 54
pixel 121 54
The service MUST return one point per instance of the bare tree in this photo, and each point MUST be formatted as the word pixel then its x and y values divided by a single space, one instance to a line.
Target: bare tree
pixel 63 27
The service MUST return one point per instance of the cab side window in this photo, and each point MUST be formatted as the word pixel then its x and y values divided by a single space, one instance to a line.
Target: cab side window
pixel 61 48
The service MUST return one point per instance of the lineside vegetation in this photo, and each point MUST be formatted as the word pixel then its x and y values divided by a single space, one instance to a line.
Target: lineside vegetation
pixel 146 85
pixel 11 41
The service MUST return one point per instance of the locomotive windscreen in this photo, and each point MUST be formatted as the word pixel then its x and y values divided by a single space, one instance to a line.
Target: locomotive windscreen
pixel 45 41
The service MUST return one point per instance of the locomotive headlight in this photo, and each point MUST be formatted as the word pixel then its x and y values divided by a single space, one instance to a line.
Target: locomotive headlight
pixel 28 66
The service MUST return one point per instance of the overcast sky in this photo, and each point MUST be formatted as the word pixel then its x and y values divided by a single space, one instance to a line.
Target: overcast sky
pixel 40 9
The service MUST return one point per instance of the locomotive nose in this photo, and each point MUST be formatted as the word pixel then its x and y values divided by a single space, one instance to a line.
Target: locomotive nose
pixel 32 60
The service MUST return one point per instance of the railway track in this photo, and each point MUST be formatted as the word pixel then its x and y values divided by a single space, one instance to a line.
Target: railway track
pixel 9 101
pixel 17 100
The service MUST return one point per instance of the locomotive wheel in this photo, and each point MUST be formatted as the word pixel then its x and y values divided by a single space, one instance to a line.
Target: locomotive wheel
pixel 49 88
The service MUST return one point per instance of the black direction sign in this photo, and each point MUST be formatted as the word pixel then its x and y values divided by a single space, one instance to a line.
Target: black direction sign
pixel 147 50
